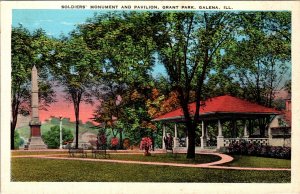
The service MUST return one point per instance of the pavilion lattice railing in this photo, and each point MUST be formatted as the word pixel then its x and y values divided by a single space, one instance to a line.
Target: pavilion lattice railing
pixel 261 141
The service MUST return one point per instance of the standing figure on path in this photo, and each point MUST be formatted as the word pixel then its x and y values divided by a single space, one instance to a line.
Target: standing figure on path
pixel 168 141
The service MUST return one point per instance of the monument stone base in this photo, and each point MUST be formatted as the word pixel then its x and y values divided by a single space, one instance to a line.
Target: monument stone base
pixel 36 142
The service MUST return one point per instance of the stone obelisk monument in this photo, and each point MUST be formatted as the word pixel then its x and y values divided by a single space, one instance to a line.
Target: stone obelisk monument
pixel 35 141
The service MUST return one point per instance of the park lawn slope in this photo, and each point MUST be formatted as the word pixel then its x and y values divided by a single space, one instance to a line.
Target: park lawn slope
pixel 44 170
pixel 259 162
pixel 25 130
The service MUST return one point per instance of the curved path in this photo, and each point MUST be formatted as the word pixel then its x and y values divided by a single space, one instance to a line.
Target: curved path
pixel 224 159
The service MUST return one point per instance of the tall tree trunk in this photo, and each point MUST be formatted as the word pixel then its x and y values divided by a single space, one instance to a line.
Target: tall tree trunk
pixel 258 92
pixel 12 133
pixel 190 125
pixel 191 135
pixel 76 108
pixel 77 125
pixel 271 84
pixel 13 124
pixel 12 136
pixel 76 97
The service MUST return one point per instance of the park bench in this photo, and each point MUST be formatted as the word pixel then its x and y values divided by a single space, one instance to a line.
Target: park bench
pixel 73 151
pixel 100 152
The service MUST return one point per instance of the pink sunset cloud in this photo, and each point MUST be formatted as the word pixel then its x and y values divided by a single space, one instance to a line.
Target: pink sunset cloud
pixel 66 110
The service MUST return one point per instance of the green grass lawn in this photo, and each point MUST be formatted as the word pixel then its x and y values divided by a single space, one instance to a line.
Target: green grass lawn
pixel 239 161
pixel 17 153
pixel 261 162
pixel 34 169
pixel 173 158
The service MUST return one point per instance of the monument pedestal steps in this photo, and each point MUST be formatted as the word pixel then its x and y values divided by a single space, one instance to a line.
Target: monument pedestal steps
pixel 36 143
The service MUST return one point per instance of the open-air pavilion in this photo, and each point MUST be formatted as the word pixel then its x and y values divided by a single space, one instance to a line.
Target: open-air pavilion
pixel 222 109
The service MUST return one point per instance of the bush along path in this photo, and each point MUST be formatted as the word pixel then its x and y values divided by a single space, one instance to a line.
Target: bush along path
pixel 224 159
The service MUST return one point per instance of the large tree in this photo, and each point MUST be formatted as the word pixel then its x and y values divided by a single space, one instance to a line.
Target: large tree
pixel 29 49
pixel 187 44
pixel 126 45
pixel 263 50
pixel 107 112
pixel 74 69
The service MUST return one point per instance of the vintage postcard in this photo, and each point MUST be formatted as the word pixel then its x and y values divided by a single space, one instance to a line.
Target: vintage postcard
pixel 150 96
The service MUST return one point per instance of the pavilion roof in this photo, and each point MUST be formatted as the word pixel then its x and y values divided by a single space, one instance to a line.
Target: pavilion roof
pixel 221 105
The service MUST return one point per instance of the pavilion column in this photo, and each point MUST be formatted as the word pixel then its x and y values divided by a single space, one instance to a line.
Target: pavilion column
pixel 270 138
pixel 175 136
pixel 187 141
pixel 262 130
pixel 246 135
pixel 204 135
pixel 206 132
pixel 220 138
pixel 250 128
pixel 163 136
pixel 269 133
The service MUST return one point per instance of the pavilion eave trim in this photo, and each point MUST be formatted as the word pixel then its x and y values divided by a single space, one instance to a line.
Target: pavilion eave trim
pixel 247 113
pixel 169 118
pixel 216 113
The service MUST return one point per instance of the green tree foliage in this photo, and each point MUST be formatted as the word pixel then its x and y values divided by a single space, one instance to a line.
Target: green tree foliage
pixel 204 53
pixel 134 117
pixel 263 48
pixel 188 46
pixel 107 113
pixel 259 59
pixel 199 51
pixel 74 69
pixel 29 49
pixel 126 46
pixel 51 138
pixel 18 141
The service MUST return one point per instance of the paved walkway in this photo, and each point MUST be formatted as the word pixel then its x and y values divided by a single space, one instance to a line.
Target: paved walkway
pixel 224 159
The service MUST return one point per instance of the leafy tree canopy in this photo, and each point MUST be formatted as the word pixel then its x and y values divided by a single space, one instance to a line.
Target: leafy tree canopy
pixel 51 138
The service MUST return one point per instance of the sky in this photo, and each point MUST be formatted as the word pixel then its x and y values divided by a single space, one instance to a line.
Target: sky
pixel 56 23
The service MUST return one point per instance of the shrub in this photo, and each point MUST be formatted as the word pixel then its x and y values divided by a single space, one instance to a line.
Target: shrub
pixel 101 141
pixel 126 143
pixel 245 148
pixel 18 140
pixel 51 138
pixel 145 144
pixel 114 142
